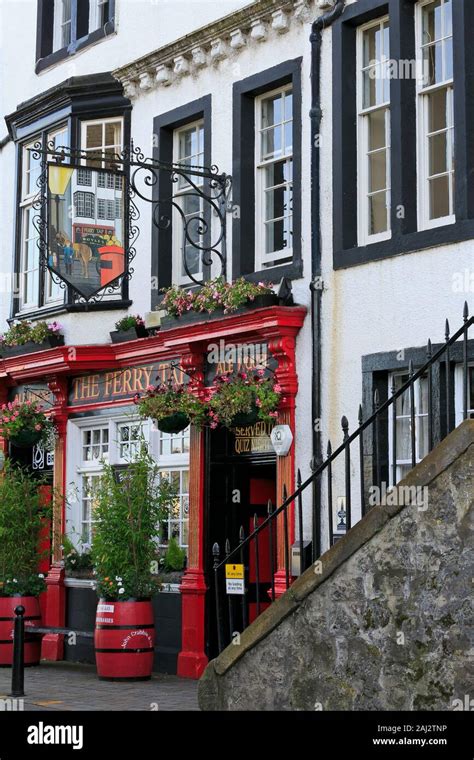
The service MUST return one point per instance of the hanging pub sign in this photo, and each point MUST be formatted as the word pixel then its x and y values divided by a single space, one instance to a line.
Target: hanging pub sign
pixel 121 384
pixel 86 226
pixel 32 392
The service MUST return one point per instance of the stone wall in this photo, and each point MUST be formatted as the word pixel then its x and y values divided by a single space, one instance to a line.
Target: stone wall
pixel 385 623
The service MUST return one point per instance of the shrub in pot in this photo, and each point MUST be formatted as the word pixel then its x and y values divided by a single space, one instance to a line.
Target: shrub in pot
pixel 23 514
pixel 128 510
pixel 173 407
pixel 77 561
pixel 173 562
pixel 243 399
pixel 129 328
pixel 25 424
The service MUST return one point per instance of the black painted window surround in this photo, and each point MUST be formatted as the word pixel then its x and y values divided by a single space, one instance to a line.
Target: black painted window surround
pixel 80 36
pixel 405 236
pixel 164 127
pixel 243 172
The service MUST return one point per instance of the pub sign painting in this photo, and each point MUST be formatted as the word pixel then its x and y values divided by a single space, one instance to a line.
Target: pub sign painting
pixel 86 227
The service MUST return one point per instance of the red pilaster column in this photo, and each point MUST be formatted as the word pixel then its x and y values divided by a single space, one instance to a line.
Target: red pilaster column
pixel 193 659
pixel 52 646
pixel 3 400
pixel 283 349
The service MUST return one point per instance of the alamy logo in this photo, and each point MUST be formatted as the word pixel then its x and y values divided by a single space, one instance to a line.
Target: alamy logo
pixel 42 734
pixel 400 496
pixel 246 354
pixel 466 704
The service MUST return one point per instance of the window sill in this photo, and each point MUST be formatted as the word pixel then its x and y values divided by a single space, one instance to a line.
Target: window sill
pixel 408 243
pixel 50 311
pixel 61 55
pixel 293 271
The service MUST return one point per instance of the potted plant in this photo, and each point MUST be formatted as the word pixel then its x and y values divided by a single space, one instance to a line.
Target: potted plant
pixel 25 424
pixel 172 406
pixel 242 399
pixel 77 563
pixel 129 328
pixel 25 337
pixel 128 510
pixel 214 299
pixel 22 521
pixel 172 563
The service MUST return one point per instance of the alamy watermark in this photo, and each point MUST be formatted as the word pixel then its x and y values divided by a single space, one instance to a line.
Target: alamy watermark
pixel 400 496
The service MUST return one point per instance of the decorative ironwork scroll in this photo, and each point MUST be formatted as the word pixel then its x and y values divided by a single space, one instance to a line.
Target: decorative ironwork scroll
pixel 88 212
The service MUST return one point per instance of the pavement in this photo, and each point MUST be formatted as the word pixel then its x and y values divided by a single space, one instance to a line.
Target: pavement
pixel 72 686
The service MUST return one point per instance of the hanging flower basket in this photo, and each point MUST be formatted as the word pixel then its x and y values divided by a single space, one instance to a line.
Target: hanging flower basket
pixel 174 423
pixel 25 424
pixel 243 399
pixel 173 407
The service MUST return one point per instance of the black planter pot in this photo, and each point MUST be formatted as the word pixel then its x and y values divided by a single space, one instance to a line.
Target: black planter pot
pixel 259 302
pixel 174 423
pixel 53 341
pixel 26 439
pixel 122 336
pixel 243 419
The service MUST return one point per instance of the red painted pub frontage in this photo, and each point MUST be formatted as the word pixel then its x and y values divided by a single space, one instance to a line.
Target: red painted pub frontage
pixel 91 381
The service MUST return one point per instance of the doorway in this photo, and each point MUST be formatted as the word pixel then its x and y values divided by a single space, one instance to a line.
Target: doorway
pixel 239 486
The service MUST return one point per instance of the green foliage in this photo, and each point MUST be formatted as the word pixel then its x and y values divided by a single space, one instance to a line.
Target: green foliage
pixel 241 394
pixel 129 509
pixel 174 558
pixel 22 517
pixel 25 332
pixel 212 295
pixel 75 560
pixel 128 322
pixel 19 417
pixel 167 399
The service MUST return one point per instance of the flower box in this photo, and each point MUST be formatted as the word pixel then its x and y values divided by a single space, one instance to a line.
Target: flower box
pixel 259 302
pixel 122 336
pixel 52 341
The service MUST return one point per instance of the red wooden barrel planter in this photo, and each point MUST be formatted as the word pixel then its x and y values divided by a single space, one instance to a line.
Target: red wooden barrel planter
pixel 124 640
pixel 32 616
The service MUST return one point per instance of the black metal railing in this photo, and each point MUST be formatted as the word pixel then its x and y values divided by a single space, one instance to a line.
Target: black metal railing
pixel 277 522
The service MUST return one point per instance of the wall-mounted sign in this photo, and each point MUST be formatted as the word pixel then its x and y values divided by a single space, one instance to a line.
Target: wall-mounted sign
pixel 86 226
pixel 253 439
pixel 120 384
pixel 281 438
pixel 32 392
pixel 225 357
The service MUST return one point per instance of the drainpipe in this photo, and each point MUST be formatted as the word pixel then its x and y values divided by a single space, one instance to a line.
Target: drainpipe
pixel 321 23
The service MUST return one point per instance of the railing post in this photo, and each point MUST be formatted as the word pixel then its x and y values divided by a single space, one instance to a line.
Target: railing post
pixel 412 414
pixel 330 514
pixel 347 465
pixel 464 363
pixel 448 380
pixel 18 668
pixel 300 521
pixel 257 564
pixel 271 547
pixel 220 638
pixel 361 463
pixel 429 354
pixel 230 598
pixel 244 595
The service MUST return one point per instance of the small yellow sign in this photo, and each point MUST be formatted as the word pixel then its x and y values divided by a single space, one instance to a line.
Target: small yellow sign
pixel 234 571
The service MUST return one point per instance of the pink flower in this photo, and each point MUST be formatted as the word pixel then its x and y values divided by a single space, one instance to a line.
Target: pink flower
pixel 150 388
pixel 273 414
pixel 38 427
pixel 277 388
pixel 258 402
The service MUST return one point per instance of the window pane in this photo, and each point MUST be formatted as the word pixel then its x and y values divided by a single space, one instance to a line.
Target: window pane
pixel 278 203
pixel 377 171
pixel 378 213
pixel 376 129
pixel 438 153
pixel 272 143
pixel 278 235
pixel 113 133
pixel 448 18
pixel 439 197
pixel 372 45
pixel 437 110
pixel 94 136
pixel 272 112
pixel 432 20
pixel 278 173
pixel 433 64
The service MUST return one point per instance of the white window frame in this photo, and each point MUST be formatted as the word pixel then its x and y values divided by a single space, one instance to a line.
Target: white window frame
pixel 58 25
pixel 26 206
pixel 363 235
pixel 418 442
pixel 263 259
pixel 458 394
pixel 95 10
pixel 423 194
pixel 77 468
pixel 91 122
pixel 178 233
pixel 53 293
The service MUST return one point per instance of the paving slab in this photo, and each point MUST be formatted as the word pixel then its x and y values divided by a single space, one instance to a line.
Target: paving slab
pixel 57 686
